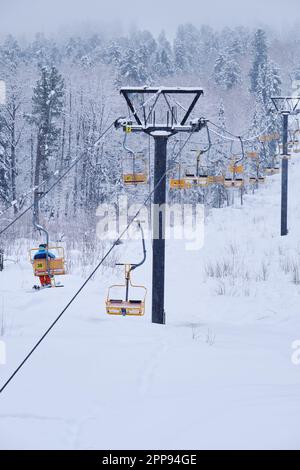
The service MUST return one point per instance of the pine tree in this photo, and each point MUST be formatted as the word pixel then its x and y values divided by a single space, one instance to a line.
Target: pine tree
pixel 132 68
pixel 164 61
pixel 11 114
pixel 187 44
pixel 227 70
pixel 260 60
pixel 48 100
pixel 221 115
pixel 4 175
pixel 259 123
pixel 219 70
pixel 114 51
pixel 10 54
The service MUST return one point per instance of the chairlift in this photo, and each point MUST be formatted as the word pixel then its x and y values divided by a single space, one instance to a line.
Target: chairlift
pixel 48 266
pixel 128 305
pixel 179 183
pixel 290 147
pixel 216 179
pixel 296 148
pixel 255 180
pixel 193 171
pixel 51 267
pixel 266 138
pixel 236 168
pixel 134 166
pixel 192 176
pixel 270 171
pixel 236 183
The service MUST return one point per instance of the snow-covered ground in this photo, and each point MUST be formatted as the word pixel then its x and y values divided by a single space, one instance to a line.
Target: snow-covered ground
pixel 219 374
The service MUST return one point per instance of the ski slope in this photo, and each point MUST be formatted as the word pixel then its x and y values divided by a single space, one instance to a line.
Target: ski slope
pixel 219 375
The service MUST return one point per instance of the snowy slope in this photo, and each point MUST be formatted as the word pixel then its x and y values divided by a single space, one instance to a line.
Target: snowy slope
pixel 218 375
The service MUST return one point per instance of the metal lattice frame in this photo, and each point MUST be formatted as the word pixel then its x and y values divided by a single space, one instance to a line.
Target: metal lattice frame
pixel 286 104
pixel 145 114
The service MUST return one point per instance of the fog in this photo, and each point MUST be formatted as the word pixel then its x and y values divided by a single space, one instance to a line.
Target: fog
pixel 52 16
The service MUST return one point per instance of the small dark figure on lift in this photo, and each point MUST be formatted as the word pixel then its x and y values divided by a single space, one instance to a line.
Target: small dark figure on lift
pixel 43 253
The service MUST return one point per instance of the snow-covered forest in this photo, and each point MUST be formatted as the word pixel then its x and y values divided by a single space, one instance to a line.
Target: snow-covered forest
pixel 220 370
pixel 61 93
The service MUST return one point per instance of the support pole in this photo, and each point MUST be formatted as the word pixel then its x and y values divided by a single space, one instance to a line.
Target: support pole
pixel 146 122
pixel 158 266
pixel 284 176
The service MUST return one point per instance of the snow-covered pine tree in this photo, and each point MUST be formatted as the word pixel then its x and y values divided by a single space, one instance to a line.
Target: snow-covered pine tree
pixel 11 116
pixel 256 166
pixel 227 70
pixel 164 60
pixel 260 50
pixel 219 157
pixel 187 44
pixel 48 101
pixel 265 83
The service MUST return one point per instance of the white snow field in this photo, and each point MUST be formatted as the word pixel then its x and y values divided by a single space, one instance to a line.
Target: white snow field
pixel 218 375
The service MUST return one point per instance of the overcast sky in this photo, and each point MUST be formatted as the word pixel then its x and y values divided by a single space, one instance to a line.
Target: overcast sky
pixel 30 16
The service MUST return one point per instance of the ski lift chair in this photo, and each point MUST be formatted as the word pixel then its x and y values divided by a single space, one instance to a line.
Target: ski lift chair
pixel 290 147
pixel 128 305
pixel 135 169
pixel 134 166
pixel 193 176
pixel 189 182
pixel 296 147
pixel 216 179
pixel 49 266
pixel 270 171
pixel 201 180
pixel 259 180
pixel 179 184
pixel 237 183
pixel 266 138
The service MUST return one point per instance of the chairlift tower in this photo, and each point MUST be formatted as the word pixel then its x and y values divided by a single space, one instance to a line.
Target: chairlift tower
pixel 286 106
pixel 156 111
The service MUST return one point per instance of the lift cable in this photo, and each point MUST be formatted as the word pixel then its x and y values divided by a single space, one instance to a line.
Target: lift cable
pixel 116 243
pixel 237 137
pixel 58 180
pixel 24 196
pixel 224 137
